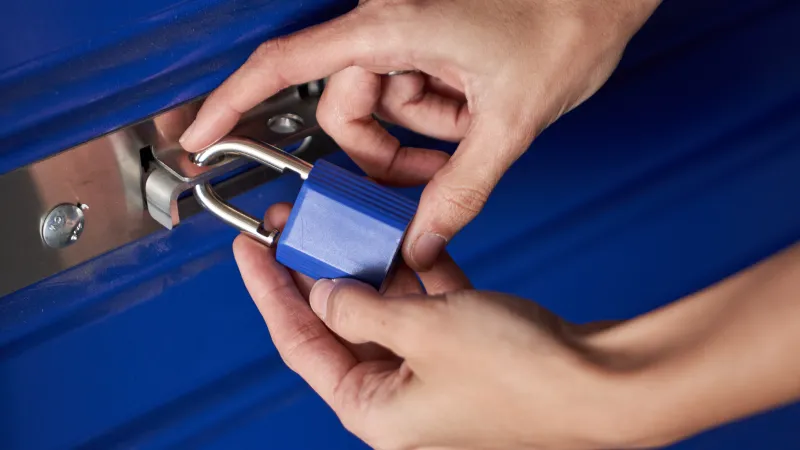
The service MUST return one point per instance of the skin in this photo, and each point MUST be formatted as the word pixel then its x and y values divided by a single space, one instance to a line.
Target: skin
pixel 451 367
pixel 459 368
pixel 494 74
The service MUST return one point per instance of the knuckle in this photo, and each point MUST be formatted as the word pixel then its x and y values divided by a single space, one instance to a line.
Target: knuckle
pixel 352 399
pixel 268 55
pixel 269 51
pixel 345 307
pixel 391 20
pixel 305 335
pixel 356 409
pixel 345 403
pixel 463 201
pixel 336 316
pixel 327 115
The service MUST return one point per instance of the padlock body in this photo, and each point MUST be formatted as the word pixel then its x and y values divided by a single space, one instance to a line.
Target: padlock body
pixel 345 226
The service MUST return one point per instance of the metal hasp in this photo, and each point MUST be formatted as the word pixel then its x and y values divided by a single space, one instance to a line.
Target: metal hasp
pixel 342 225
pixel 285 119
pixel 136 180
pixel 267 155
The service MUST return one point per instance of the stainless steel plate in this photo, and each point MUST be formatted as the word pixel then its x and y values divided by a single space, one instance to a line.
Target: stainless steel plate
pixel 109 176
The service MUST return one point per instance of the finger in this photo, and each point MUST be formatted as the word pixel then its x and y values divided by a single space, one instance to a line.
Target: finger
pixel 439 86
pixel 171 124
pixel 403 282
pixel 357 313
pixel 303 341
pixel 345 112
pixel 277 215
pixel 444 276
pixel 458 192
pixel 311 54
pixel 410 102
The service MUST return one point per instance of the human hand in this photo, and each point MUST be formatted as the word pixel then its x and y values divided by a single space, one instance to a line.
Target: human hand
pixel 454 368
pixel 495 73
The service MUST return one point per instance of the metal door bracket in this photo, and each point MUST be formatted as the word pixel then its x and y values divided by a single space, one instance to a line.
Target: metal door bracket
pixel 288 119
pixel 131 182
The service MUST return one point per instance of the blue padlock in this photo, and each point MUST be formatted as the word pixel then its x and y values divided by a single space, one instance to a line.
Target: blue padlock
pixel 341 226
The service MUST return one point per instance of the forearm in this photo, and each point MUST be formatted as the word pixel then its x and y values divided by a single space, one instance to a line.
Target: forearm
pixel 725 353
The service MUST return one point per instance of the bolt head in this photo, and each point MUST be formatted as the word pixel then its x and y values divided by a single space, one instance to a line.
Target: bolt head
pixel 63 225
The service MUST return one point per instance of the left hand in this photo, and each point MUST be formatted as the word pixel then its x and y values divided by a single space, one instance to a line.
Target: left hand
pixel 451 367
pixel 494 75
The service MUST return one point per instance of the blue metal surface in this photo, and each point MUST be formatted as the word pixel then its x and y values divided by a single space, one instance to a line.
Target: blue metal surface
pixel 682 170
pixel 343 225
pixel 71 71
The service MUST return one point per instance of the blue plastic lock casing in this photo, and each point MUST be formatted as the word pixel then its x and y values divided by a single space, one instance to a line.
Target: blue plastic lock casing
pixel 344 226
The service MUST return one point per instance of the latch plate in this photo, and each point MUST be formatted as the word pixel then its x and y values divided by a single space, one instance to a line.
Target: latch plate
pixel 286 119
pixel 131 183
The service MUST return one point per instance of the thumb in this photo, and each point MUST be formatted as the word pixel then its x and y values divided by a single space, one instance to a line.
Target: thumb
pixel 358 314
pixel 459 190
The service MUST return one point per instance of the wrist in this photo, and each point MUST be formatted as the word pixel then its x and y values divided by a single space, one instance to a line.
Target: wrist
pixel 636 403
pixel 603 390
pixel 722 354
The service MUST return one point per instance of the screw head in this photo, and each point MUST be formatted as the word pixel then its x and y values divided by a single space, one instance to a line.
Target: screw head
pixel 63 225
pixel 285 123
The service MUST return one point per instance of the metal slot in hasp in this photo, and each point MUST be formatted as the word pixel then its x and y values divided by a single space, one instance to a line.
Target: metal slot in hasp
pixel 118 188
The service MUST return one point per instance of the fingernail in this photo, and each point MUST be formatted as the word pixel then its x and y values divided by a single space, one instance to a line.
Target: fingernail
pixel 427 248
pixel 187 135
pixel 319 297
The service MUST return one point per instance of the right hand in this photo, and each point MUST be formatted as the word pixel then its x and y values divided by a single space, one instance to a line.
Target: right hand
pixel 437 365
pixel 495 73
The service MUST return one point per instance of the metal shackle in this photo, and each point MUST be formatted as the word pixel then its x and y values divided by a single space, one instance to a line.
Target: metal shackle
pixel 265 154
